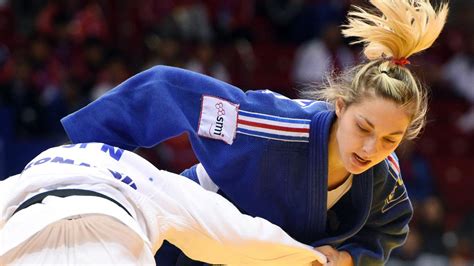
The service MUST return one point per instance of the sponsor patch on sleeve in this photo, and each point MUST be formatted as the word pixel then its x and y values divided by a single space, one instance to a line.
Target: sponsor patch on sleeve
pixel 218 119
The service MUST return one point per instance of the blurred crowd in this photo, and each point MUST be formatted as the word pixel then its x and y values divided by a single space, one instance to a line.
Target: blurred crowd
pixel 57 56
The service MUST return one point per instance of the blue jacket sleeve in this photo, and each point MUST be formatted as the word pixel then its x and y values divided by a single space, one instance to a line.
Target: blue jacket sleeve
pixel 387 225
pixel 163 102
pixel 146 109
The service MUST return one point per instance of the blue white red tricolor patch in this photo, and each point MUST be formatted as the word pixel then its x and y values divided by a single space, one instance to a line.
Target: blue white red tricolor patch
pixel 273 127
pixel 398 193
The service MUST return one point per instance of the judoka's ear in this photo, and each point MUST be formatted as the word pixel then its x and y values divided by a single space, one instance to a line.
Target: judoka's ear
pixel 340 106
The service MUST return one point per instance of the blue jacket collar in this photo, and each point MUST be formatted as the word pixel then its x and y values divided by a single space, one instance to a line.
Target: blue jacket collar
pixel 361 191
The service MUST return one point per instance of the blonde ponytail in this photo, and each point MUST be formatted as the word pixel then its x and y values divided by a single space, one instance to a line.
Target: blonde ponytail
pixel 404 28
pixel 401 29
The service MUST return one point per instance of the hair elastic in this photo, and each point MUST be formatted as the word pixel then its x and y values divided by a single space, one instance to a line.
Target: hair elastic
pixel 400 62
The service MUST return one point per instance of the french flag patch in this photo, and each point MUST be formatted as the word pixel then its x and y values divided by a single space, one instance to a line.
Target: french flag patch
pixel 393 164
pixel 398 193
pixel 273 127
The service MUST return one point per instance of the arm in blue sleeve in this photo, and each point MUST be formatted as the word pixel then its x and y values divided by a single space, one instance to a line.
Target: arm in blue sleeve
pixel 387 225
pixel 163 102
pixel 148 108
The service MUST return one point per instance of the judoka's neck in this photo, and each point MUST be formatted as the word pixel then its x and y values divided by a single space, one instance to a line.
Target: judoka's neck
pixel 337 173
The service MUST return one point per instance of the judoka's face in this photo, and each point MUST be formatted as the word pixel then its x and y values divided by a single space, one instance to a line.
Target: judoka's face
pixel 368 131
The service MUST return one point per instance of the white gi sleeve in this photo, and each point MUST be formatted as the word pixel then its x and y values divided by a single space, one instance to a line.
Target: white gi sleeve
pixel 207 227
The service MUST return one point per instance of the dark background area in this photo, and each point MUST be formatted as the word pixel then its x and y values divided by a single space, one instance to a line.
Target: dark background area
pixel 57 56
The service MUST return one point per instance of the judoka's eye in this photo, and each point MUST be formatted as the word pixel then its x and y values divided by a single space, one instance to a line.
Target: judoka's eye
pixel 362 129
pixel 391 141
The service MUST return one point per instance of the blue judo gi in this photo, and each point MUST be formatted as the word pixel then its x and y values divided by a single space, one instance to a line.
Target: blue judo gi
pixel 266 153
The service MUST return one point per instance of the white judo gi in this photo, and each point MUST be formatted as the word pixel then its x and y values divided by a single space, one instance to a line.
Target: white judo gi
pixel 141 207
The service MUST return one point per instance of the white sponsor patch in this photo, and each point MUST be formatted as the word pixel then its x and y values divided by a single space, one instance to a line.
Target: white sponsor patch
pixel 218 119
